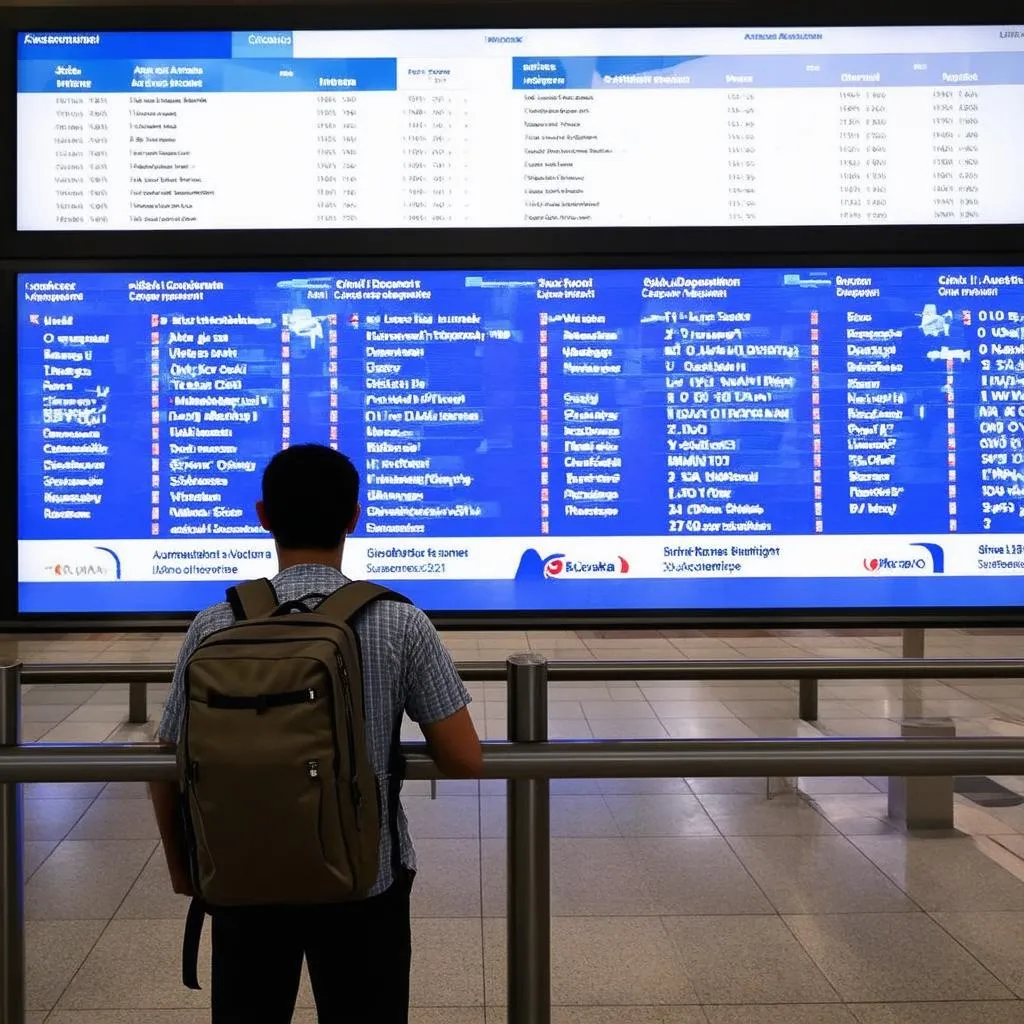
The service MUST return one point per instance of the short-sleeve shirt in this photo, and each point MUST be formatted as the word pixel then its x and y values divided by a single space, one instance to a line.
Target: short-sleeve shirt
pixel 406 670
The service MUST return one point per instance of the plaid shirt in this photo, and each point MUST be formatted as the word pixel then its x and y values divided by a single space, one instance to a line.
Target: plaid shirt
pixel 406 669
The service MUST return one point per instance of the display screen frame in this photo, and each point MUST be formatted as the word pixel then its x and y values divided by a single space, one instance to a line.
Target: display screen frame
pixel 519 619
pixel 656 243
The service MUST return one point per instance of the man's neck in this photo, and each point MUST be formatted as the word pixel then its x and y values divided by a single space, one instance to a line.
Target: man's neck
pixel 287 558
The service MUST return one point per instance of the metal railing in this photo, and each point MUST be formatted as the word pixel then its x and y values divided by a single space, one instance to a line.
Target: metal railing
pixel 528 761
pixel 806 672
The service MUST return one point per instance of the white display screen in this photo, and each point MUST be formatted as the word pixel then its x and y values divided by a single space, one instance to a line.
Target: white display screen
pixel 520 128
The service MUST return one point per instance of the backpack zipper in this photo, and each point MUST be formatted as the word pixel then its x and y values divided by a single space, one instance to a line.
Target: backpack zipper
pixel 357 796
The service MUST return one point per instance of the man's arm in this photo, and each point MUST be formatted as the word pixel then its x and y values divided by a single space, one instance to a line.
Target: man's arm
pixel 438 701
pixel 165 796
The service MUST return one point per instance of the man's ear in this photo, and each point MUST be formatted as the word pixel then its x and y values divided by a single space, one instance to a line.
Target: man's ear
pixel 261 514
pixel 351 528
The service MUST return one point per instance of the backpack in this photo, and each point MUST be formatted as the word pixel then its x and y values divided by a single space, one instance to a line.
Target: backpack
pixel 279 794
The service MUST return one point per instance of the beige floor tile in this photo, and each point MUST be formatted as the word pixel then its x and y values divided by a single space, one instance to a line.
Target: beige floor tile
pixel 604 709
pixel 82 881
pixel 660 815
pixel 448 817
pixel 627 729
pixel 615 1015
pixel 996 939
pixel 690 709
pixel 112 713
pixel 136 965
pixel 624 787
pixel 836 786
pixel 755 816
pixel 448 878
pixel 35 853
pixel 151 896
pixel 939 1013
pixel 79 732
pixel 892 957
pixel 54 951
pixel 134 1017
pixel 61 695
pixel 695 875
pixel 707 728
pixel 595 961
pixel 746 709
pixel 571 817
pixel 728 786
pixel 822 1013
pixel 818 875
pixel 125 791
pixel 439 1015
pixel 53 819
pixel 117 819
pixel 62 790
pixel 589 878
pixel 48 713
pixel 944 873
pixel 447 963
pixel 31 1017
pixel 746 960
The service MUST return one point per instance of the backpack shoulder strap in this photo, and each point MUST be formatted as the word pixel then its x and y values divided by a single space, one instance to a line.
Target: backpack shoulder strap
pixel 254 600
pixel 351 598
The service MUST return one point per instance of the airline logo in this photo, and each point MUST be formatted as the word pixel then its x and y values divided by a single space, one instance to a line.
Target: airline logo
pixel 921 558
pixel 104 565
pixel 560 567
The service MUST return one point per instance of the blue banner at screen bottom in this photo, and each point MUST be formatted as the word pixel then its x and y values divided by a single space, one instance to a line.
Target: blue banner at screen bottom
pixel 497 597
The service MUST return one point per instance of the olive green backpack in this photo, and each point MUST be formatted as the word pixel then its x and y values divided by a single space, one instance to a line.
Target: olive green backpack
pixel 279 793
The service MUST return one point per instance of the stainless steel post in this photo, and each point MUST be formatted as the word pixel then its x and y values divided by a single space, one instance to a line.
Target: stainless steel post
pixel 913 647
pixel 138 711
pixel 924 802
pixel 809 700
pixel 12 874
pixel 529 851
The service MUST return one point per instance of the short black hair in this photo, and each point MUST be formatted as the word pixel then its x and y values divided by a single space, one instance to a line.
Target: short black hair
pixel 310 494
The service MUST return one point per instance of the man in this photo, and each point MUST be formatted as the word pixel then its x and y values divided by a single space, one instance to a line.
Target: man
pixel 358 954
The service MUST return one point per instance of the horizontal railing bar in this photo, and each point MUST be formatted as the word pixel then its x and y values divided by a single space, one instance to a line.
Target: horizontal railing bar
pixel 609 671
pixel 573 759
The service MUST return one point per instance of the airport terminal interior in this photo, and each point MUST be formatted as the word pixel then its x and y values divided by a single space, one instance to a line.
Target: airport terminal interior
pixel 674 901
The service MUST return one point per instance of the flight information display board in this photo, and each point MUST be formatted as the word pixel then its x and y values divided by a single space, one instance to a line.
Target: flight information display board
pixel 521 128
pixel 533 439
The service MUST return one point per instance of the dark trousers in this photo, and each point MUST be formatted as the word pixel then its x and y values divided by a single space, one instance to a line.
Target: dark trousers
pixel 358 956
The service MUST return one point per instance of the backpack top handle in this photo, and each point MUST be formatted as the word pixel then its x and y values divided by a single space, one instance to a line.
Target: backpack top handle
pixel 254 600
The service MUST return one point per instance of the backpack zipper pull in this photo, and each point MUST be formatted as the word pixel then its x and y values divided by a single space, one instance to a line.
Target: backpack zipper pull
pixel 313 768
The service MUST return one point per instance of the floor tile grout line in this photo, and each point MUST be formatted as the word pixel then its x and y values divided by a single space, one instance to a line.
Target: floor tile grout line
pixel 999 981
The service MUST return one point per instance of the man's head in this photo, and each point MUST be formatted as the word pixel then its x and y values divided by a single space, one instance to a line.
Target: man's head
pixel 310 498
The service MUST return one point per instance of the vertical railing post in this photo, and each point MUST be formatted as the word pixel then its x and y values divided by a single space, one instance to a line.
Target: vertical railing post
pixel 138 711
pixel 12 873
pixel 913 701
pixel 808 700
pixel 529 851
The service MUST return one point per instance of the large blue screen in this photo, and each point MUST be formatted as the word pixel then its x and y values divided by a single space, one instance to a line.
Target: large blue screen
pixel 533 439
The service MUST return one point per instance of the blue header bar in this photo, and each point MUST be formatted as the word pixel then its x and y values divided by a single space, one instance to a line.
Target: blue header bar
pixel 782 71
pixel 369 74
pixel 62 46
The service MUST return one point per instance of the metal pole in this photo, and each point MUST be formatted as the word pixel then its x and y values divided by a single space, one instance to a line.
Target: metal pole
pixel 809 700
pixel 12 869
pixel 138 711
pixel 529 851
pixel 913 647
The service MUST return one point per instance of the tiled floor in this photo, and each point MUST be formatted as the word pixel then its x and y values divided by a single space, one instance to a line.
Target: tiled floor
pixel 674 901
